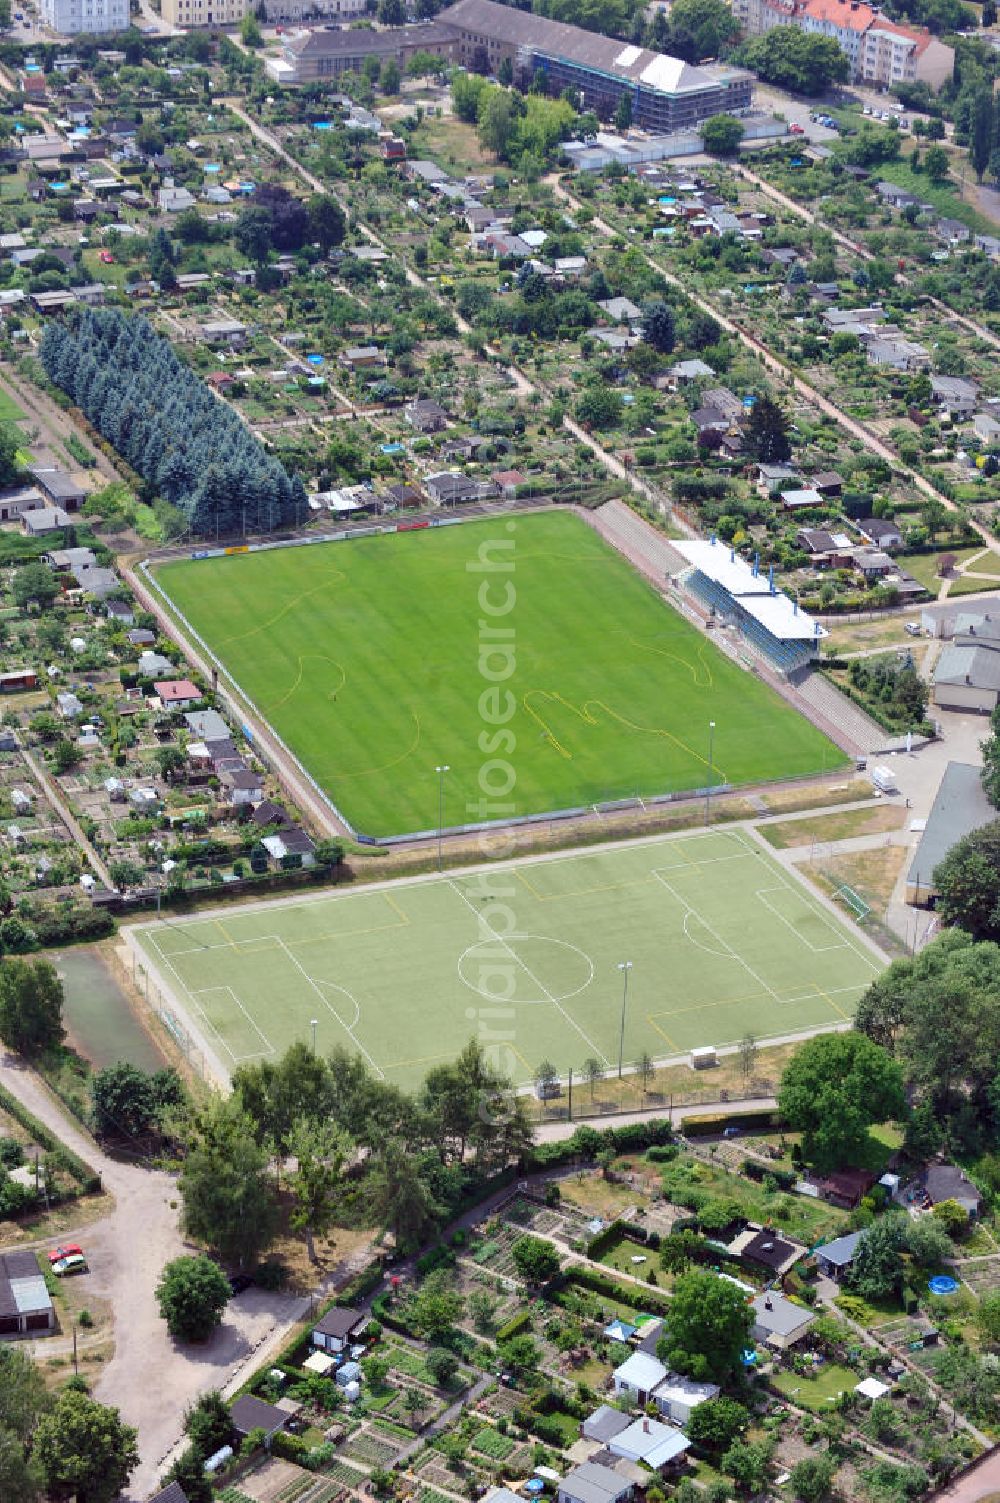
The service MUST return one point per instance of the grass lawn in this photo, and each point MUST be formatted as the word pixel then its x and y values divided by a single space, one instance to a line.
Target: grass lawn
pixel 967 585
pixel 806 1220
pixel 372 659
pixel 872 874
pixel 923 566
pixel 493 1444
pixel 829 827
pixel 568 1425
pixel 861 636
pixel 945 198
pixel 988 562
pixel 10 412
pixel 724 942
pixel 452 143
pixel 869 1312
pixel 621 1254
pixel 817 1393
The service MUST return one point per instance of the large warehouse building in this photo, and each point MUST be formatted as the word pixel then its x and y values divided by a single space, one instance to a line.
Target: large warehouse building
pixel 666 93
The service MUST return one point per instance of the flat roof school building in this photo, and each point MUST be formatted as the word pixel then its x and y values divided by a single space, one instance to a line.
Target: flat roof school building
pixel 666 93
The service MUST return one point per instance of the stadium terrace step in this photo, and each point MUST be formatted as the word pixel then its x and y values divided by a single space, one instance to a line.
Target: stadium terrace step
pixel 632 535
pixel 863 733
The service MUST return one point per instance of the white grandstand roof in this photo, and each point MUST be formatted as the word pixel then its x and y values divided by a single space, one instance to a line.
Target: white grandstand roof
pixel 778 615
pixel 718 562
pixel 777 612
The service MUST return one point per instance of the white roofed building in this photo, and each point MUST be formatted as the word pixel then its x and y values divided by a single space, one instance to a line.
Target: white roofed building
pixel 741 596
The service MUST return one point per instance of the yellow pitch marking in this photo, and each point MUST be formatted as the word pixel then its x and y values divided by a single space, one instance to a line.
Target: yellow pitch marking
pixel 662 1031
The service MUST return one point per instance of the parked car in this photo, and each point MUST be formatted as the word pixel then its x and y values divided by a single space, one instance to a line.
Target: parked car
pixel 106 257
pixel 238 1282
pixel 795 129
pixel 912 629
pixel 75 1263
pixel 70 1250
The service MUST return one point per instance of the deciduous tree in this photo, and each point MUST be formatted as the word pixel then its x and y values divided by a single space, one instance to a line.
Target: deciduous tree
pixel 721 134
pixel 225 1184
pixel 709 1327
pixel 833 1089
pixel 535 1259
pixel 321 1150
pixel 31 1002
pixel 192 1294
pixel 84 1450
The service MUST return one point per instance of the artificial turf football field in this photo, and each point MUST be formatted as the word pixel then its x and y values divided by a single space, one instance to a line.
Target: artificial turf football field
pixel 722 939
pixel 365 657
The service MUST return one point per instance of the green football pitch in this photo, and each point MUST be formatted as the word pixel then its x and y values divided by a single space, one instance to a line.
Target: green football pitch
pixel 368 659
pixel 525 956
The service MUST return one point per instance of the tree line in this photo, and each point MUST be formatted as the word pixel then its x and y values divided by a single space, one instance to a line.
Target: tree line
pixel 365 1152
pixel 189 447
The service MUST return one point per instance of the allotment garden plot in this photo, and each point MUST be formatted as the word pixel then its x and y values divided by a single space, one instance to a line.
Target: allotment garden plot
pixel 722 939
pixel 371 659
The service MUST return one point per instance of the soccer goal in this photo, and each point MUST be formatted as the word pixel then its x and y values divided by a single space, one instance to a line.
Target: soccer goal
pixel 854 901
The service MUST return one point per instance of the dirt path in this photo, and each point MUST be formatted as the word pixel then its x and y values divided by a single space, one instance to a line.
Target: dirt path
pixel 54 795
pixel 56 427
pixel 982 1480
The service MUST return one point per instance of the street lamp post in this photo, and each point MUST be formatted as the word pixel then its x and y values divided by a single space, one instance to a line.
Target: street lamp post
pixel 441 772
pixel 624 966
pixel 711 772
pixel 313 1024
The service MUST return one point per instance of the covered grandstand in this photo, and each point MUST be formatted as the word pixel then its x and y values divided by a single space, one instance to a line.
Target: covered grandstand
pixel 739 595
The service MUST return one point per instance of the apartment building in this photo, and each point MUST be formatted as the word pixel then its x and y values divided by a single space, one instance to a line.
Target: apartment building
pixel 882 53
pixel 205 12
pixel 195 13
pixel 846 21
pixel 95 17
pixel 892 53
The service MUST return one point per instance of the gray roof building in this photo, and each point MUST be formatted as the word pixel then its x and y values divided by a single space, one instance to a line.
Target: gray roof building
pixel 605 1423
pixel 942 1182
pixel 593 1483
pixel 666 93
pixel 779 1321
pixel 960 807
pixel 207 725
pixel 624 311
pixel 249 1414
pixel 838 1254
pixel 172 1493
pixel 25 1303
pixel 976 666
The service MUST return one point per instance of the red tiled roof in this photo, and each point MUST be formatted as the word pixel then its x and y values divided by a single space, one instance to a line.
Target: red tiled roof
pixel 173 689
pixel 840 13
